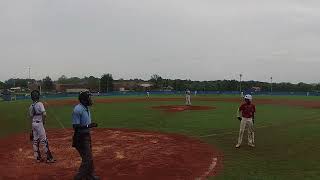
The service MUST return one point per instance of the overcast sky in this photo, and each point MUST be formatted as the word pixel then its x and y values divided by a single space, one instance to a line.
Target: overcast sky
pixel 188 39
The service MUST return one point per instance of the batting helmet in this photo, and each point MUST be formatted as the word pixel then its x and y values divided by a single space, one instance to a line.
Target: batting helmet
pixel 248 96
pixel 35 95
pixel 85 98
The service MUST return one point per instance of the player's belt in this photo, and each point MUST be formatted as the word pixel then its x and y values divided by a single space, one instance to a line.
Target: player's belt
pixel 37 121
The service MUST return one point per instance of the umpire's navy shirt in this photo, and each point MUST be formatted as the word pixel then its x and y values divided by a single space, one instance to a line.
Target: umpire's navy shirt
pixel 81 115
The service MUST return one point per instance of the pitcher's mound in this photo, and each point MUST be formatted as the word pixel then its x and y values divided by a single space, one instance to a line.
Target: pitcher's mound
pixel 180 108
pixel 118 154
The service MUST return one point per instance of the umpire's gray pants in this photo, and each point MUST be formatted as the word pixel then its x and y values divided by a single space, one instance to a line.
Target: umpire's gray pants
pixel 84 148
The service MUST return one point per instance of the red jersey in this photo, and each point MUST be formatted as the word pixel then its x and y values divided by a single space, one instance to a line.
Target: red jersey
pixel 247 110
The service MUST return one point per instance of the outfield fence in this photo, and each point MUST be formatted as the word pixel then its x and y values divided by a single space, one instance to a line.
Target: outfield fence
pixel 132 93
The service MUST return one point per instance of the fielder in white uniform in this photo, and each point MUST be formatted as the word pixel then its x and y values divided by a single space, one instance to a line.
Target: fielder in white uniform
pixel 38 114
pixel 188 97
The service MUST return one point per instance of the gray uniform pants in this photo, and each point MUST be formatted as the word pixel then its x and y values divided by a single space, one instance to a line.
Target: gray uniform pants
pixel 82 143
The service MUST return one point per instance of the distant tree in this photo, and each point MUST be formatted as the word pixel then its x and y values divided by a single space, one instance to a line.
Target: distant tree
pixel 180 85
pixel 62 79
pixel 106 83
pixel 23 83
pixel 73 80
pixel 157 81
pixel 9 83
pixel 1 85
pixel 164 83
pixel 92 83
pixel 47 84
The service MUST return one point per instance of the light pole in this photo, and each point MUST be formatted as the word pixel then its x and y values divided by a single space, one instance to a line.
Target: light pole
pixel 240 83
pixel 271 84
pixel 107 85
pixel 99 85
pixel 29 68
pixel 29 77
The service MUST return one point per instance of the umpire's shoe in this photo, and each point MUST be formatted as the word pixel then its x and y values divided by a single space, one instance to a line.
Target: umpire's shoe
pixel 51 160
pixel 77 177
pixel 94 178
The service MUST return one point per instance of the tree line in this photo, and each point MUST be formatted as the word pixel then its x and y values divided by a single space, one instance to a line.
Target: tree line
pixel 231 85
pixel 106 83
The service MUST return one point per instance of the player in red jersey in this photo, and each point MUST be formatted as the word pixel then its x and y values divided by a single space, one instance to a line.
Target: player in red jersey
pixel 248 110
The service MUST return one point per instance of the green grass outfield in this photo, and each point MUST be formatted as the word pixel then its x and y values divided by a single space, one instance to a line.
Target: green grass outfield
pixel 287 138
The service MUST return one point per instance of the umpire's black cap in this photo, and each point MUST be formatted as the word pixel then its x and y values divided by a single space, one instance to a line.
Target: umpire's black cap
pixel 85 98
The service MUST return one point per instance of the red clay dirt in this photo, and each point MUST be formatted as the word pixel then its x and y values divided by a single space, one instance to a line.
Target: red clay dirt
pixel 286 102
pixel 182 108
pixel 118 154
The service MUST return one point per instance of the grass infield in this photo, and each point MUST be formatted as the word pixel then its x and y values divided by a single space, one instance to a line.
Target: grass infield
pixel 287 137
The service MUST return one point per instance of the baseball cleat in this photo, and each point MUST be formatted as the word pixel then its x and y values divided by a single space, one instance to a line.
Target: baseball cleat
pixel 251 145
pixel 238 145
pixel 39 160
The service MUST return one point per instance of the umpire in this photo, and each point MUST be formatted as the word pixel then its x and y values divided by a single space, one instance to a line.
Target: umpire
pixel 81 121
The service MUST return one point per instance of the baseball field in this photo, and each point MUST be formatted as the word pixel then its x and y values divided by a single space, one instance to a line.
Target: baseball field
pixel 160 138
